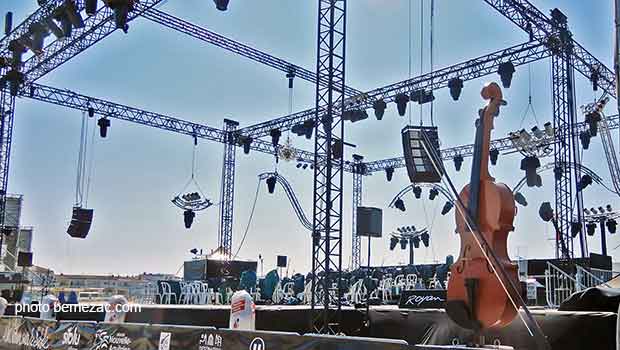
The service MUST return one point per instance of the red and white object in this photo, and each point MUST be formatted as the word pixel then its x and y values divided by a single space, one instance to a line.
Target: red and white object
pixel 242 311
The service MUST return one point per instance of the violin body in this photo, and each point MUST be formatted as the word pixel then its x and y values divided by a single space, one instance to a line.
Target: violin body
pixel 476 298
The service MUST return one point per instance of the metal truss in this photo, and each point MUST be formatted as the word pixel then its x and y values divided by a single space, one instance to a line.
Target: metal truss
pixel 468 70
pixel 329 133
pixel 96 28
pixel 227 193
pixel 543 29
pixel 246 51
pixel 356 242
pixel 503 144
pixel 7 114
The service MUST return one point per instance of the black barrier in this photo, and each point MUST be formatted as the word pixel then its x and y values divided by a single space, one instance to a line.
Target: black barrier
pixel 423 299
pixel 23 333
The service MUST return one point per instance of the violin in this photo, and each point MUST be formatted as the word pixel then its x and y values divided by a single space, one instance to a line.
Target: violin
pixel 477 299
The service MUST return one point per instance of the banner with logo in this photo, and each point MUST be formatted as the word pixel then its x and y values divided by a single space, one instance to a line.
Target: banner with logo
pixel 73 335
pixel 423 299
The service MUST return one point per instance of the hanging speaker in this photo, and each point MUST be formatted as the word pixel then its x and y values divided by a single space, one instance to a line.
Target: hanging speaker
pixel 369 222
pixel 24 259
pixel 418 141
pixel 81 220
pixel 282 260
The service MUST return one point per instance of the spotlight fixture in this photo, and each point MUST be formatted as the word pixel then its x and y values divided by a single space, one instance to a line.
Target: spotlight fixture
pixel 275 137
pixel 539 134
pixel 530 164
pixel 91 112
pixel 389 173
pixel 403 243
pixel 546 212
pixel 446 208
pixel 425 239
pixel 337 149
pixel 586 211
pixel 221 5
pixel 401 103
pixel 271 184
pixel 601 210
pixel 575 228
pixel 557 172
pixel 608 207
pixel 104 124
pixel 400 205
pixel 69 18
pixel 456 86
pixel 458 162
pixel 194 251
pixel 54 28
pixel 592 119
pixel 8 23
pixel 593 211
pixel 298 165
pixel 591 228
pixel 379 106
pixel 393 243
pixel 90 6
pixel 505 71
pixel 421 96
pixel 584 137
pixel 433 193
pixel 549 129
pixel 305 166
pixel 525 136
pixel 246 141
pixel 594 77
pixel 585 181
pixel 611 225
pixel 493 155
pixel 188 218
pixel 39 32
pixel 520 198
pixel 417 191
pixel 416 242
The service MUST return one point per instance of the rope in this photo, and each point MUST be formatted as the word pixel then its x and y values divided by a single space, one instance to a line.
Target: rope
pixel 247 227
pixel 91 163
pixel 529 106
pixel 81 166
pixel 410 54
pixel 421 52
pixel 432 46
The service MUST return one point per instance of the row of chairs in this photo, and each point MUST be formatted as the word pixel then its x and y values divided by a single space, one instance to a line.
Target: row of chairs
pixel 191 293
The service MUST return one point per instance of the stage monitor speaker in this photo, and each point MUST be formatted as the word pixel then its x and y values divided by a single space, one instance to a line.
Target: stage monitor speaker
pixel 81 220
pixel 369 222
pixel 416 141
pixel 599 261
pixel 24 259
pixel 281 260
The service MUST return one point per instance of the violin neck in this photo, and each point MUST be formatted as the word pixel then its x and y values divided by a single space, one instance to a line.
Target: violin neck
pixel 487 125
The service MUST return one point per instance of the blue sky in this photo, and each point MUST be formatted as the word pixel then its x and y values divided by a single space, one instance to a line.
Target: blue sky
pixel 139 169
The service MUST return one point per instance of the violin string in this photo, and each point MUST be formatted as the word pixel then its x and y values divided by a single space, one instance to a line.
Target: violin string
pixel 467 216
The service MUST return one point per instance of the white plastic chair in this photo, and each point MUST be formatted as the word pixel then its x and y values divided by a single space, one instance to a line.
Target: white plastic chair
pixel 387 289
pixel 412 280
pixel 289 290
pixel 204 295
pixel 166 294
pixel 186 293
pixel 399 284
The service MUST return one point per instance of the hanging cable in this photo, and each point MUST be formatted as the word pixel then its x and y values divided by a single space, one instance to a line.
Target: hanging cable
pixel 81 166
pixel 432 47
pixel 421 53
pixel 91 163
pixel 410 53
pixel 247 227
pixel 530 106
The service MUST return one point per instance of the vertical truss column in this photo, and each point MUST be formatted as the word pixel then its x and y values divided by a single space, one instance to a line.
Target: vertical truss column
pixel 567 150
pixel 7 113
pixel 356 242
pixel 328 168
pixel 227 193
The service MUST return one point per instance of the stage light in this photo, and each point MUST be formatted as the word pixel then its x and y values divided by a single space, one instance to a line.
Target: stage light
pixel 8 23
pixel 538 182
pixel 104 124
pixel 530 164
pixel 403 243
pixel 194 251
pixel 575 228
pixel 308 128
pixel 433 193
pixel 446 208
pixel 456 86
pixel 400 205
pixel 458 162
pixel 593 211
pixel 188 218
pixel 389 173
pixel 416 241
pixel 400 229
pixel 549 129
pixel 494 154
pixel 91 112
pixel 505 71
pixel 608 207
pixel 72 14
pixel 417 191
pixel 425 238
pixel 246 141
pixel 15 79
pixel 594 76
pixel 379 106
pixel 90 6
pixel 401 103
pixel 601 210
pixel 393 243
pixel 592 119
pixel 546 212
pixel 271 184
pixel 525 136
pixel 584 137
pixel 337 149
pixel 586 211
pixel 585 181
pixel 275 137
pixel 54 28
pixel 557 172
pixel 298 165
pixel 539 134
pixel 39 32
pixel 611 225
pixel 305 166
pixel 221 5
pixel 520 198
pixel 591 228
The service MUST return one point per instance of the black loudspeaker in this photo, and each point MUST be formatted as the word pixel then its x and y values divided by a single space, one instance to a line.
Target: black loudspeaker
pixel 24 259
pixel 80 222
pixel 281 260
pixel 369 222
pixel 418 142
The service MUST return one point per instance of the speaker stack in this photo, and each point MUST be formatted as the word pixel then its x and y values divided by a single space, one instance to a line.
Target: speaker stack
pixel 81 220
